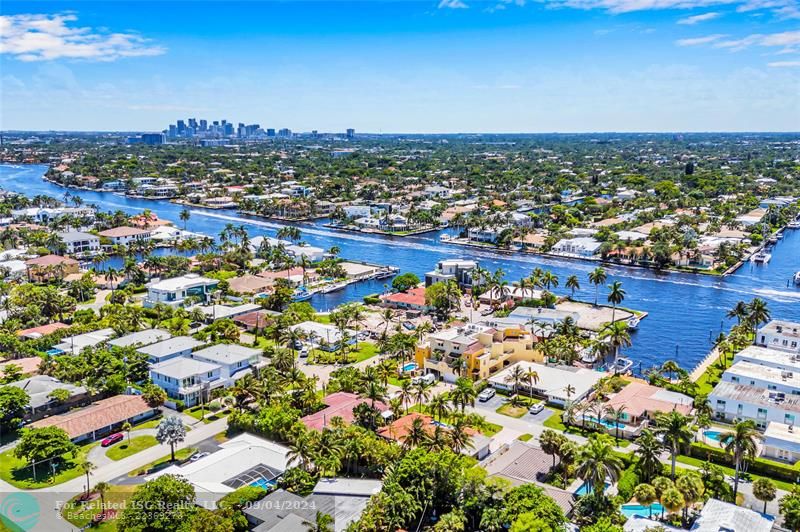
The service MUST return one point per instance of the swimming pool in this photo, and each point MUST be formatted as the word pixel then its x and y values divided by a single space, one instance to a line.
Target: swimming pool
pixel 605 422
pixel 586 489
pixel 633 509
pixel 410 366
pixel 712 435
pixel 263 483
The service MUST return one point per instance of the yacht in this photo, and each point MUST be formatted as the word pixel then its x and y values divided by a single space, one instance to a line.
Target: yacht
pixel 622 365
pixel 333 287
pixel 797 278
pixel 793 225
pixel 445 238
pixel 761 257
pixel 633 322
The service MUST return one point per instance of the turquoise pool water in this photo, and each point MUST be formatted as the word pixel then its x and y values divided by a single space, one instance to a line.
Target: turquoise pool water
pixel 263 483
pixel 410 366
pixel 630 510
pixel 712 434
pixel 605 423
pixel 586 489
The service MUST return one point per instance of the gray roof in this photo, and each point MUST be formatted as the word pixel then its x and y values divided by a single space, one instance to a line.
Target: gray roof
pixel 40 386
pixel 170 346
pixel 718 515
pixel 146 337
pixel 77 236
pixel 226 353
pixel 753 395
pixel 182 367
pixel 282 510
pixel 518 460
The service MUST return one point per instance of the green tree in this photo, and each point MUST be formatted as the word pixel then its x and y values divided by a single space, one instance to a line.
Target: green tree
pixel 677 432
pixel 165 503
pixel 741 443
pixel 597 461
pixel 646 495
pixel 764 490
pixel 43 444
pixel 789 506
pixel 616 295
pixel 13 402
pixel 171 430
pixel 404 282
pixel 648 451
pixel 597 277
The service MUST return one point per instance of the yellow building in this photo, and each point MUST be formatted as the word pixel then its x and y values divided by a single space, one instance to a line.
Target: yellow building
pixel 477 351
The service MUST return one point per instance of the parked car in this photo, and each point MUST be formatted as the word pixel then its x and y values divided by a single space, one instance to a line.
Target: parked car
pixel 303 352
pixel 535 409
pixel 486 394
pixel 487 311
pixel 111 440
pixel 408 325
pixel 467 303
pixel 428 378
pixel 197 456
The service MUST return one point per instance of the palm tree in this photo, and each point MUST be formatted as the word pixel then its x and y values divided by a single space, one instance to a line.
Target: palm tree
pixel 690 484
pixel 422 392
pixel 322 523
pixel 616 414
pixel 549 280
pixel 416 435
pixel 648 450
pixel 184 216
pixel 672 500
pixel 646 495
pixel 739 312
pixel 459 437
pixel 87 467
pixel 101 488
pixel 677 432
pixel 406 393
pixel 764 490
pixel 302 450
pixel 515 376
pixel 742 443
pixel 617 335
pixel 616 295
pixel 438 406
pixel 531 377
pixel 597 461
pixel 757 313
pixel 573 284
pixel 463 393
pixel 597 277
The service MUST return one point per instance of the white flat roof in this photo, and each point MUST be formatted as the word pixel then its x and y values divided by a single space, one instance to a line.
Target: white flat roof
pixel 554 379
pixel 182 367
pixel 749 370
pixel 179 283
pixel 768 357
pixel 145 337
pixel 172 345
pixel 227 353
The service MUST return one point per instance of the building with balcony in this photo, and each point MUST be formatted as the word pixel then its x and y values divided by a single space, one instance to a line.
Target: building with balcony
pixel 731 401
pixel 80 242
pixel 458 270
pixel 231 358
pixel 176 291
pixel 475 350
pixel 780 334
pixel 553 383
pixel 125 235
pixel 185 378
pixel 179 346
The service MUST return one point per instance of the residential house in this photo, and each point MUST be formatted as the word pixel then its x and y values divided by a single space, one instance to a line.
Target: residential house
pixel 101 418
pixel 731 401
pixel 73 345
pixel 141 338
pixel 233 360
pixel 553 384
pixel 178 346
pixel 398 430
pixel 39 389
pixel 327 337
pixel 718 516
pixel 340 405
pixel 185 379
pixel 639 403
pixel 413 299
pixel 80 242
pixel 49 267
pixel 256 320
pixel 176 291
pixel 459 270
pixel 781 442
pixel 583 247
pixel 780 334
pixel 125 235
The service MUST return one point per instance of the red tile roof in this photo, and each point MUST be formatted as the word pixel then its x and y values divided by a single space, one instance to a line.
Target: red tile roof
pixel 415 297
pixel 50 260
pixel 400 427
pixel 43 330
pixel 340 404
pixel 97 416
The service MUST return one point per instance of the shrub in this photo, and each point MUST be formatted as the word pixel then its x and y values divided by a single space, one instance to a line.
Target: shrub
pixel 757 466
pixel 242 497
pixel 372 299
pixel 627 483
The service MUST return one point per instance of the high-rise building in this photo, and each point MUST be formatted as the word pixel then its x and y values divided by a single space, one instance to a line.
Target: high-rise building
pixel 285 132
pixel 181 127
pixel 173 131
pixel 193 123
pixel 227 129
pixel 351 133
pixel 270 132
pixel 203 125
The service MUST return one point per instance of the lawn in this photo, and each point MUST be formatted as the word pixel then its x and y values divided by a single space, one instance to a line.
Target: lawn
pixel 729 471
pixel 152 424
pixel 125 449
pixel 524 437
pixel 164 461
pixel 488 429
pixel 323 318
pixel 520 409
pixel 554 422
pixel 712 376
pixel 198 412
pixel 80 514
pixel 17 473
pixel 363 351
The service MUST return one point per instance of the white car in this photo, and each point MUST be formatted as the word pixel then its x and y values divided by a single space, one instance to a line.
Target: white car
pixel 486 394
pixel 535 409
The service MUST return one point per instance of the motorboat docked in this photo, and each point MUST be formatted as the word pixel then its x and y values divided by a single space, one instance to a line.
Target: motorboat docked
pixel 761 257
pixel 797 278
pixel 445 238
pixel 793 225
pixel 589 355
pixel 333 288
pixel 622 365
pixel 301 294
pixel 633 322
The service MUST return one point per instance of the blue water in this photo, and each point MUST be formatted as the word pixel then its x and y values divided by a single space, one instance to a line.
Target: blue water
pixel 686 311
pixel 712 434
pixel 606 423
pixel 411 366
pixel 263 483
pixel 631 510
pixel 586 489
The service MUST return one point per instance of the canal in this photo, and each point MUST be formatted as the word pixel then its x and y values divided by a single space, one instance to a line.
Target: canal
pixel 686 311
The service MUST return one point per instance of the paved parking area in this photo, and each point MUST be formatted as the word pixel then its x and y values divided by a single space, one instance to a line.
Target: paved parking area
pixel 499 400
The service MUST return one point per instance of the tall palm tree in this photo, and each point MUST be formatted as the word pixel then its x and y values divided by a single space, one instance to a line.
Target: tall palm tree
pixel 101 488
pixel 742 443
pixel 515 376
pixel 648 450
pixel 597 277
pixel 757 313
pixel 532 378
pixel 616 295
pixel 739 311
pixel 416 435
pixel 302 450
pixel 549 280
pixel 616 414
pixel 617 335
pixel 87 467
pixel 597 461
pixel 438 406
pixel 677 433
pixel 573 284
pixel 459 437
pixel 463 394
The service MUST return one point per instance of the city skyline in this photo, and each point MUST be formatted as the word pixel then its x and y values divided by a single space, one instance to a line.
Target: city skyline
pixel 405 67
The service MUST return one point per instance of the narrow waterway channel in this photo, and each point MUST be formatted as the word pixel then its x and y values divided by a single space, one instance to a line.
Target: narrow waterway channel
pixel 686 311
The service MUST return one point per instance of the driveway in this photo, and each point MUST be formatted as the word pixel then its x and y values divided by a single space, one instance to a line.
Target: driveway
pixel 98 303
pixel 499 400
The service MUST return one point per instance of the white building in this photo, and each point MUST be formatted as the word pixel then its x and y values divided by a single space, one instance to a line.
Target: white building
pixel 459 270
pixel 125 235
pixel 175 291
pixel 328 337
pixel 781 442
pixel 79 242
pixel 780 334
pixel 732 401
pixel 141 338
pixel 72 345
pixel 231 358
pixel 553 381
pixel 179 346
pixel 765 377
pixel 764 356
pixel 585 247
pixel 185 378
pixel 718 516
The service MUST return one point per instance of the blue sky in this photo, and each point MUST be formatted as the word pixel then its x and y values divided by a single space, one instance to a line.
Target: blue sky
pixel 405 66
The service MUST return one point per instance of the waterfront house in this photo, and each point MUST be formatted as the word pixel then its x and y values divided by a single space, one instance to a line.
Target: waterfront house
pixel 731 401
pixel 178 346
pixel 781 442
pixel 176 291
pixel 233 359
pixel 80 242
pixel 641 403
pixel 553 382
pixel 583 247
pixel 328 337
pixel 459 270
pixel 125 235
pixel 765 356
pixel 413 299
pixel 780 334
pixel 185 378
pixel 49 267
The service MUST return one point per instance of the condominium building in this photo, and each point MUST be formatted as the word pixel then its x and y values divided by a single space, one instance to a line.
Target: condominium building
pixel 458 270
pixel 780 334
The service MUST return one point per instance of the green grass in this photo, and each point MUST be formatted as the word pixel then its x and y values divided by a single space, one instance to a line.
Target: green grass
pixel 712 375
pixel 696 462
pixel 363 351
pixel 164 461
pixel 488 429
pixel 125 449
pixel 554 422
pixel 520 409
pixel 80 514
pixel 152 424
pixel 525 437
pixel 17 472
pixel 323 318
pixel 198 413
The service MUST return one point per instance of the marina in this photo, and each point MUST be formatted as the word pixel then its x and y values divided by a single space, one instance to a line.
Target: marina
pixel 685 312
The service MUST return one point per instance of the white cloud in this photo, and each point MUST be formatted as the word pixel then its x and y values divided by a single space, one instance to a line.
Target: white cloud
pixel 781 8
pixel 700 40
pixel 35 37
pixel 452 4
pixel 696 19
pixel 785 40
pixel 784 64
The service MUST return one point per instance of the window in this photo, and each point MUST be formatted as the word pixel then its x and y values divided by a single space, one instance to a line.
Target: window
pixel 788 419
pixel 734 379
pixel 762 413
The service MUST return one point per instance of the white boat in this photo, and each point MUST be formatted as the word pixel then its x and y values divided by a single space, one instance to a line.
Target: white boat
pixel 761 257
pixel 445 238
pixel 633 322
pixel 797 278
pixel 589 356
pixel 622 365
pixel 793 225
pixel 333 287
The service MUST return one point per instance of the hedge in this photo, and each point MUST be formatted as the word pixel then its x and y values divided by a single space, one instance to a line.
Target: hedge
pixel 757 466
pixel 627 483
